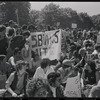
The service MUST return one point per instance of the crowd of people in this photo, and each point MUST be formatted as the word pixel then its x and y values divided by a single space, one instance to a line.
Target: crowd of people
pixel 36 77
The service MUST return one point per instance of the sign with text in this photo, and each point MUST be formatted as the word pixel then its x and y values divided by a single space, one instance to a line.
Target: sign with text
pixel 47 44
pixel 73 87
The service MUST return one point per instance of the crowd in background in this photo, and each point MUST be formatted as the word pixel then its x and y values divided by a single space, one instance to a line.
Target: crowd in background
pixel 45 77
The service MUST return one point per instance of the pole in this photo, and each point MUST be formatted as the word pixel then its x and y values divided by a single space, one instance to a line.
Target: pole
pixel 17 16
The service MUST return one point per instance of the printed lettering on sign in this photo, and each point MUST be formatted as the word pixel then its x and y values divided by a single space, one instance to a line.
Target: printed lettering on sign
pixel 73 87
pixel 46 44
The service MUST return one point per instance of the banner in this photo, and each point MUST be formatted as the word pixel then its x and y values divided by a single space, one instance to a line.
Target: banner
pixel 47 44
pixel 73 87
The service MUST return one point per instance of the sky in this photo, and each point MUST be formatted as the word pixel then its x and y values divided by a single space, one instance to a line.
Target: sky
pixel 91 8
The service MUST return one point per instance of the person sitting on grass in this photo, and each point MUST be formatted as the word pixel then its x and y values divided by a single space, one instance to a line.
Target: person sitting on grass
pixel 16 83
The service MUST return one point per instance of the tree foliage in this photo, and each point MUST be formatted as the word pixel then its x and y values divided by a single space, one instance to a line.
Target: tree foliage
pixel 96 21
pixel 10 11
pixel 51 14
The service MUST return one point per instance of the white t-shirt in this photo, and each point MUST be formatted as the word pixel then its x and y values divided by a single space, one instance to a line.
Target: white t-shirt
pixel 41 74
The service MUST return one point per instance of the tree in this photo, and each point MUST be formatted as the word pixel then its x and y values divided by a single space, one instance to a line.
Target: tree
pixel 34 15
pixel 96 21
pixel 86 20
pixel 23 11
pixel 49 14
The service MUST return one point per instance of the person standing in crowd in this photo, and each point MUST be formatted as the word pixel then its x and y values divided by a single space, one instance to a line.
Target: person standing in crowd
pixel 45 68
pixel 26 55
pixel 96 51
pixel 24 28
pixel 35 63
pixel 17 81
pixel 89 73
pixel 11 25
pixel 65 69
pixel 54 80
pixel 72 49
pixel 16 26
pixel 38 88
pixel 5 67
pixel 19 31
pixel 89 77
pixel 3 40
pixel 13 59
pixel 17 42
pixel 5 71
pixel 89 46
pixel 31 28
pixel 10 36
pixel 73 80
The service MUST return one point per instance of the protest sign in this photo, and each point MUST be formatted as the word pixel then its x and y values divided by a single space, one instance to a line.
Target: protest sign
pixel 98 39
pixel 73 87
pixel 74 25
pixel 47 44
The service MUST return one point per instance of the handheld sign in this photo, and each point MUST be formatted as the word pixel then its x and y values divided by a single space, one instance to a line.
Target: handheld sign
pixel 74 25
pixel 73 87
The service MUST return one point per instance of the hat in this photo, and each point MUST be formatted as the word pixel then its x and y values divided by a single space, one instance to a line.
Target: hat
pixel 67 62
pixel 11 22
pixel 21 62
pixel 2 57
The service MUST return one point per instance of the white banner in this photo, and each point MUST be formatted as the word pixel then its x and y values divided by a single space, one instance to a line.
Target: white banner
pixel 73 87
pixel 47 44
